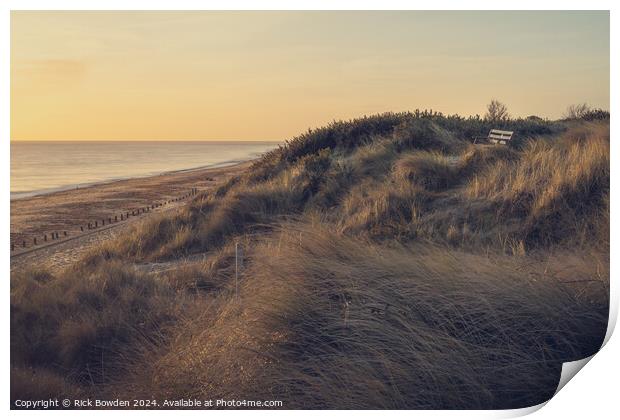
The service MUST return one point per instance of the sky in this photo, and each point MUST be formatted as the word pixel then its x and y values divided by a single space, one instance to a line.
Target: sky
pixel 209 75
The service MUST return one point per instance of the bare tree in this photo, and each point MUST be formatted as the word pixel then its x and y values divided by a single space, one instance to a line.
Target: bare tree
pixel 576 111
pixel 496 111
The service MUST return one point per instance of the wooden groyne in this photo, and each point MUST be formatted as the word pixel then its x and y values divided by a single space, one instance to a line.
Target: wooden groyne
pixel 46 239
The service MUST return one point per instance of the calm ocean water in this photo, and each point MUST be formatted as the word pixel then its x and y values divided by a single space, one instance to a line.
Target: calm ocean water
pixel 43 167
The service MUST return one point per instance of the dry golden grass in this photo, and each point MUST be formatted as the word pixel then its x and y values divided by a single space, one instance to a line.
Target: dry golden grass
pixel 430 170
pixel 389 264
pixel 554 192
pixel 383 211
pixel 558 187
pixel 85 324
pixel 325 321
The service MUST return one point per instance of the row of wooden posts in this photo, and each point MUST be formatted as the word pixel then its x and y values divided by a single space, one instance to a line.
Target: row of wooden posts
pixel 110 220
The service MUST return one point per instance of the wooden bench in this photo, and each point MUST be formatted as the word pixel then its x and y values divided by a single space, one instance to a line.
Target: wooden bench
pixel 495 137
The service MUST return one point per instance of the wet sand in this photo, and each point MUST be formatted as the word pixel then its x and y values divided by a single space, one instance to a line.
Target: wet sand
pixel 68 210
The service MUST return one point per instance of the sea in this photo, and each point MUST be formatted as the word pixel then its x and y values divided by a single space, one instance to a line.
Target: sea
pixel 42 167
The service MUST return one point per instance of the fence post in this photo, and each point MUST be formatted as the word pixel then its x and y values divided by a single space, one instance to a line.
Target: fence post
pixel 236 269
pixel 238 266
pixel 23 244
pixel 35 240
pixel 45 237
pixel 81 228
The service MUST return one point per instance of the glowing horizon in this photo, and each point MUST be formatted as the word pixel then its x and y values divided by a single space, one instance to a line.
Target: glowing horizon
pixel 114 76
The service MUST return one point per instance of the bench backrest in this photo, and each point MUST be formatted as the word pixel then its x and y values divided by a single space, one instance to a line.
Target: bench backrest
pixel 499 136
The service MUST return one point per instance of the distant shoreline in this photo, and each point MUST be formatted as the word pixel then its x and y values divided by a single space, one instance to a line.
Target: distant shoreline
pixel 21 195
pixel 69 209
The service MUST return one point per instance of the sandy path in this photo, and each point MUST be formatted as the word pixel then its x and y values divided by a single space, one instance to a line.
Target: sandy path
pixel 56 256
pixel 68 210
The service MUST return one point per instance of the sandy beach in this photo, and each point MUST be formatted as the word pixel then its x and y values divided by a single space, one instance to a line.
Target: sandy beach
pixel 66 211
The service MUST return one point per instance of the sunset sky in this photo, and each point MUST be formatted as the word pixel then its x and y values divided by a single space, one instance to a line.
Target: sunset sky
pixel 272 75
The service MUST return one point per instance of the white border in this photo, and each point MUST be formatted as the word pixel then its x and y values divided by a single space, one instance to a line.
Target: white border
pixel 593 394
pixel 309 5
